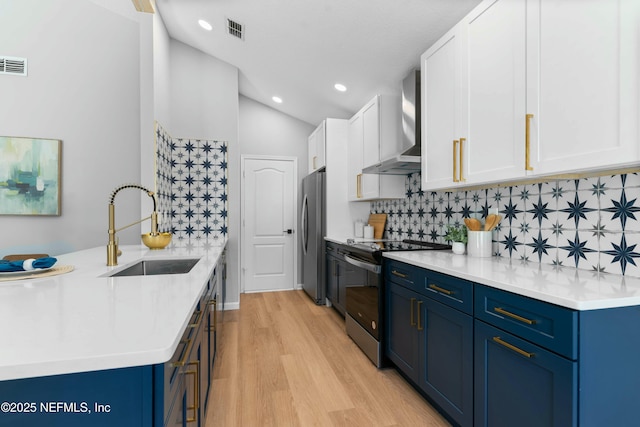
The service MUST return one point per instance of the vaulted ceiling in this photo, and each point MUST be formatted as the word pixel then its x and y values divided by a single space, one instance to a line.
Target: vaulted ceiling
pixel 298 49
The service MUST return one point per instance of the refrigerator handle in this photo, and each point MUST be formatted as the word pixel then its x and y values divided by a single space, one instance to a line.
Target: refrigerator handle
pixel 303 222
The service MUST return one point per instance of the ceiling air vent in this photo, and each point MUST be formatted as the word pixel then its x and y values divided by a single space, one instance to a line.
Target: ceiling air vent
pixel 13 65
pixel 235 29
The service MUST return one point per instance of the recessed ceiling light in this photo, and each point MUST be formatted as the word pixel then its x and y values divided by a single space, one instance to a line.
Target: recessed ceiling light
pixel 204 24
pixel 277 99
pixel 340 87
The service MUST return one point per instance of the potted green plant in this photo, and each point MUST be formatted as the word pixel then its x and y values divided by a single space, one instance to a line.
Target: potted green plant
pixel 457 235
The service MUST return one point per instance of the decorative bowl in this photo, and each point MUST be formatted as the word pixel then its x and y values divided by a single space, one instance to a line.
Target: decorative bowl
pixel 156 241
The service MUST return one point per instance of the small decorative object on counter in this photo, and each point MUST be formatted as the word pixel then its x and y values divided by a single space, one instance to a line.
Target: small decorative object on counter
pixel 368 231
pixel 157 240
pixel 479 244
pixel 26 264
pixel 458 238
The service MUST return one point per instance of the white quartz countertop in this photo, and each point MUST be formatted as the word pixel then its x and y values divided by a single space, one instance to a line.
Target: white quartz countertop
pixel 564 286
pixel 82 321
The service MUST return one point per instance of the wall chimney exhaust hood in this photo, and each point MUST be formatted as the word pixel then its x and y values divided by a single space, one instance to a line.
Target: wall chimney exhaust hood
pixel 407 161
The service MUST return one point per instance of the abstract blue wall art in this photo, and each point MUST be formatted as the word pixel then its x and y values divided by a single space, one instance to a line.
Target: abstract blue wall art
pixel 29 176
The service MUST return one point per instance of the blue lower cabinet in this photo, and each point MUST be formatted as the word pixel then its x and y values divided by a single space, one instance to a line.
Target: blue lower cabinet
pixel 431 344
pixel 447 359
pixel 518 383
pixel 402 340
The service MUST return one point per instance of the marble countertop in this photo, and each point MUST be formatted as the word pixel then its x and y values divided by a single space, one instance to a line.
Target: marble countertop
pixel 564 286
pixel 84 321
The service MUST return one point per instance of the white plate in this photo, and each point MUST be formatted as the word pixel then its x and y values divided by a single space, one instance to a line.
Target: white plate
pixel 23 273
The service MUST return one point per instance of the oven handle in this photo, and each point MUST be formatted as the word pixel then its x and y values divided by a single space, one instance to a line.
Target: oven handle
pixel 374 268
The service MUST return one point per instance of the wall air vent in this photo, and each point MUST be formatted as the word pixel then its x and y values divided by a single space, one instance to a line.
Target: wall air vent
pixel 13 65
pixel 235 29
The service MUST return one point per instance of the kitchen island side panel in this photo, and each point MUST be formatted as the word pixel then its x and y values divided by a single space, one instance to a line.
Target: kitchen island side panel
pixel 609 375
pixel 114 397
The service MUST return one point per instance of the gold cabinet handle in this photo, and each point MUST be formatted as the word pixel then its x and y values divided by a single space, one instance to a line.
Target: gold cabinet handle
pixel 359 186
pixel 462 140
pixel 314 161
pixel 213 303
pixel 397 273
pixel 513 347
pixel 527 143
pixel 514 316
pixel 439 289
pixel 455 161
pixel 183 359
pixel 196 388
pixel 412 322
pixel 419 322
pixel 196 324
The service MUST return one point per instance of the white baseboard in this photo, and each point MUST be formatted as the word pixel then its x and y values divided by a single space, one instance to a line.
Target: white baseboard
pixel 231 306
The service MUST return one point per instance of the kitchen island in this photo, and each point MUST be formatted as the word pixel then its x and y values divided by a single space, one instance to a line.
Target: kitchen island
pixel 67 336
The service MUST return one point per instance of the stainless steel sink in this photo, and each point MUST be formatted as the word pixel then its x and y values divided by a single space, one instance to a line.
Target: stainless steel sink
pixel 157 266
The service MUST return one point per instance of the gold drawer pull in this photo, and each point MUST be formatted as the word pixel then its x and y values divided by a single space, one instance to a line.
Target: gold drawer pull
pixel 513 347
pixel 455 161
pixel 213 303
pixel 439 289
pixel 462 179
pixel 397 273
pixel 196 324
pixel 196 387
pixel 412 322
pixel 514 316
pixel 527 143
pixel 419 322
pixel 185 353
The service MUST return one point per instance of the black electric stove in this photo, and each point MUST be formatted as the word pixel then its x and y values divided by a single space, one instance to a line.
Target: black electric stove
pixel 372 249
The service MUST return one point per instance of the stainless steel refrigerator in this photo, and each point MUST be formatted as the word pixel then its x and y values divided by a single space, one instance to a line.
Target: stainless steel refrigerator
pixel 313 225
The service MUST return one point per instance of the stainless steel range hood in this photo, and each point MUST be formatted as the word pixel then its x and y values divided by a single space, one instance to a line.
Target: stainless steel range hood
pixel 408 159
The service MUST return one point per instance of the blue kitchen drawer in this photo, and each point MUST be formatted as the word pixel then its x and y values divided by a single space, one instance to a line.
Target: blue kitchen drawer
pixel 409 276
pixel 550 326
pixel 454 292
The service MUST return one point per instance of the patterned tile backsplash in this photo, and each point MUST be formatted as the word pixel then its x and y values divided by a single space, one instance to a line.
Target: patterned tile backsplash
pixel 589 223
pixel 191 182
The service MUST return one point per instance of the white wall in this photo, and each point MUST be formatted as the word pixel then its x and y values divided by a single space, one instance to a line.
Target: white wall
pixel 83 88
pixel 203 103
pixel 204 95
pixel 265 131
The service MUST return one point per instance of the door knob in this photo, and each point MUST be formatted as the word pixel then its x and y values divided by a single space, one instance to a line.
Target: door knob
pixel 288 231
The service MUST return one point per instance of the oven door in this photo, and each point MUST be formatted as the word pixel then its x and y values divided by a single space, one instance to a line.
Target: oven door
pixel 363 295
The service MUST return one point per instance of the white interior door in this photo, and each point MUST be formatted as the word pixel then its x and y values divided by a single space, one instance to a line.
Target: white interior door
pixel 269 222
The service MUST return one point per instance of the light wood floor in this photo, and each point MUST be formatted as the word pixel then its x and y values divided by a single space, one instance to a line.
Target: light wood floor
pixel 285 361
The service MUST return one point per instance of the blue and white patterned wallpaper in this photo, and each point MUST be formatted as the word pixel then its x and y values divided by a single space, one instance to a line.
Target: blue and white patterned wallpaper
pixel 191 183
pixel 588 223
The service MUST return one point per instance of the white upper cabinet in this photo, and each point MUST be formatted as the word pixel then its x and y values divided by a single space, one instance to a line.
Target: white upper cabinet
pixel 493 92
pixel 381 121
pixel 371 133
pixel 441 119
pixel 317 148
pixel 523 88
pixel 367 128
pixel 354 158
pixel 474 99
pixel 583 72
